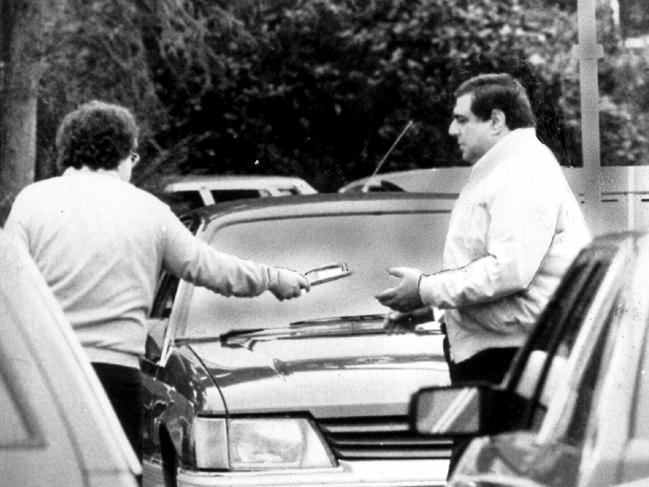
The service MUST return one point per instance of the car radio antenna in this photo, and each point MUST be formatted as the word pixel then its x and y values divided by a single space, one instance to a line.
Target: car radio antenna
pixel 366 186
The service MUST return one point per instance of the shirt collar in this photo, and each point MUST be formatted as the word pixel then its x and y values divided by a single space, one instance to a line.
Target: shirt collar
pixel 85 170
pixel 494 155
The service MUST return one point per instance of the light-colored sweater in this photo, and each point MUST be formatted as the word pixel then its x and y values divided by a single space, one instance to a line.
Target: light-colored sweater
pixel 513 232
pixel 101 243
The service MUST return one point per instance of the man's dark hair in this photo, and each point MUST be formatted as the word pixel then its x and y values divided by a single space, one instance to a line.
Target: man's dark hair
pixel 98 135
pixel 499 91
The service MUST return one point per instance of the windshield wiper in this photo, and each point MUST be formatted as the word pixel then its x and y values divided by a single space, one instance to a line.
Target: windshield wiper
pixel 223 337
pixel 335 319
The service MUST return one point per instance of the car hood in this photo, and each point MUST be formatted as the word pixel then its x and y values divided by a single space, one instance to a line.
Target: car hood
pixel 330 370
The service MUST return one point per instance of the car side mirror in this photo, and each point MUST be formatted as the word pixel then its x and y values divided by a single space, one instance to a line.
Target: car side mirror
pixel 466 410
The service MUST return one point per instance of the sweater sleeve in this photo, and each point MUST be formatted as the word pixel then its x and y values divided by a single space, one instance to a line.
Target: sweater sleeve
pixel 520 227
pixel 191 259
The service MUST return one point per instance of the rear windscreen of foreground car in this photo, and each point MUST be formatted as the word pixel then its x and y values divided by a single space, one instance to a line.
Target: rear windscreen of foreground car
pixel 369 243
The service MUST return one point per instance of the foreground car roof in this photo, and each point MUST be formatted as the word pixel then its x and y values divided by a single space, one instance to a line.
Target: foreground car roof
pixel 59 427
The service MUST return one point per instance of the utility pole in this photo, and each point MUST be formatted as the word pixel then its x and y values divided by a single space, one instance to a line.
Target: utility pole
pixel 589 53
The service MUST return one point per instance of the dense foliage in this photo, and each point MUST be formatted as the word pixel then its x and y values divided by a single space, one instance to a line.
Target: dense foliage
pixel 321 88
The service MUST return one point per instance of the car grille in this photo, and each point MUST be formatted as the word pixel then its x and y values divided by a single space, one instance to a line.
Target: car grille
pixel 380 438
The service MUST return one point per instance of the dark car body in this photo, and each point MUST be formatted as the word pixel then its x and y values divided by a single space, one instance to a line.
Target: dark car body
pixel 323 360
pixel 574 409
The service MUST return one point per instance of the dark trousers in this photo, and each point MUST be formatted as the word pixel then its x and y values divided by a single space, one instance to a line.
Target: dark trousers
pixel 490 365
pixel 123 386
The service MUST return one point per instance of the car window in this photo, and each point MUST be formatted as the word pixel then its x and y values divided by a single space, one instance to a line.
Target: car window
pixel 641 423
pixel 567 429
pixel 571 427
pixel 618 420
pixel 584 385
pixel 168 283
pixel 369 243
pixel 164 298
pixel 236 194
pixel 183 201
pixel 541 364
pixel 191 222
pixel 287 191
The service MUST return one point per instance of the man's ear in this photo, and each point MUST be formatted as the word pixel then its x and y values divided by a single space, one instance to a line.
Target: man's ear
pixel 498 120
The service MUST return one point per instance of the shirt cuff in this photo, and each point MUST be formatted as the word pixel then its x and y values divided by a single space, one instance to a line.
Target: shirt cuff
pixel 421 289
pixel 421 276
pixel 270 282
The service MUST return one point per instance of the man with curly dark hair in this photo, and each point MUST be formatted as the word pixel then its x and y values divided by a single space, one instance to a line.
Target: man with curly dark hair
pixel 96 136
pixel 101 243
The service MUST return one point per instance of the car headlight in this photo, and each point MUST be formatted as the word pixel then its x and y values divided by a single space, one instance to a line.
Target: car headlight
pixel 259 444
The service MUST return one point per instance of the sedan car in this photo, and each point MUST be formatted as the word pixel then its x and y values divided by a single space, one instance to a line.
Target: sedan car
pixel 574 408
pixel 304 392
pixel 58 427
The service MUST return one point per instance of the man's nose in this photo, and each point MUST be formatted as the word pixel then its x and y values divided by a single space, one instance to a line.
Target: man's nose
pixel 452 129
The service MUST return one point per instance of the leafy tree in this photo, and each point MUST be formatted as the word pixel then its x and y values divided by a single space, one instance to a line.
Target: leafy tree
pixel 132 53
pixel 322 88
pixel 23 46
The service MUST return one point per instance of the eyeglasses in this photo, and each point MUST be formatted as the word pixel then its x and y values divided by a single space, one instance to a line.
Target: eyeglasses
pixel 135 158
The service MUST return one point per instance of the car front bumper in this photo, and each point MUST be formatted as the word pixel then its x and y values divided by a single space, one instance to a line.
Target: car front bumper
pixel 370 473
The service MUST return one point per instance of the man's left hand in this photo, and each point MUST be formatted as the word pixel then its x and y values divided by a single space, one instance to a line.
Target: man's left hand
pixel 405 295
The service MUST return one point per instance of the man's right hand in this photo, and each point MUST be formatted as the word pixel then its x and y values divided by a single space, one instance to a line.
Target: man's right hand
pixel 287 284
pixel 404 296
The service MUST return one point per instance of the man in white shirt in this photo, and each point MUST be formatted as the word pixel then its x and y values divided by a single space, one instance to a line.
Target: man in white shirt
pixel 101 243
pixel 513 232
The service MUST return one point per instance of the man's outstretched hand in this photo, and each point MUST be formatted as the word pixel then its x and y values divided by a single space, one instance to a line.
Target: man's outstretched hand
pixel 286 283
pixel 405 295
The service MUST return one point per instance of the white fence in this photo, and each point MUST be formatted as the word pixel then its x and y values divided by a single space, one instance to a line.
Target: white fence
pixel 623 202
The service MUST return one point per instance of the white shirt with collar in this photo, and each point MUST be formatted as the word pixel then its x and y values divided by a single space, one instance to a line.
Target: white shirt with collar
pixel 513 232
pixel 100 243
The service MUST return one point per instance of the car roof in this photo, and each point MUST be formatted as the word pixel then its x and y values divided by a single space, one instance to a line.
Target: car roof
pixel 325 204
pixel 72 382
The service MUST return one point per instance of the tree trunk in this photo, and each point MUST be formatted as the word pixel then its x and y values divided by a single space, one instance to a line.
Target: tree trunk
pixel 21 54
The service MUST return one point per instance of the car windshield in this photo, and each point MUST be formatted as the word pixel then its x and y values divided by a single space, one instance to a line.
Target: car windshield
pixel 368 243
